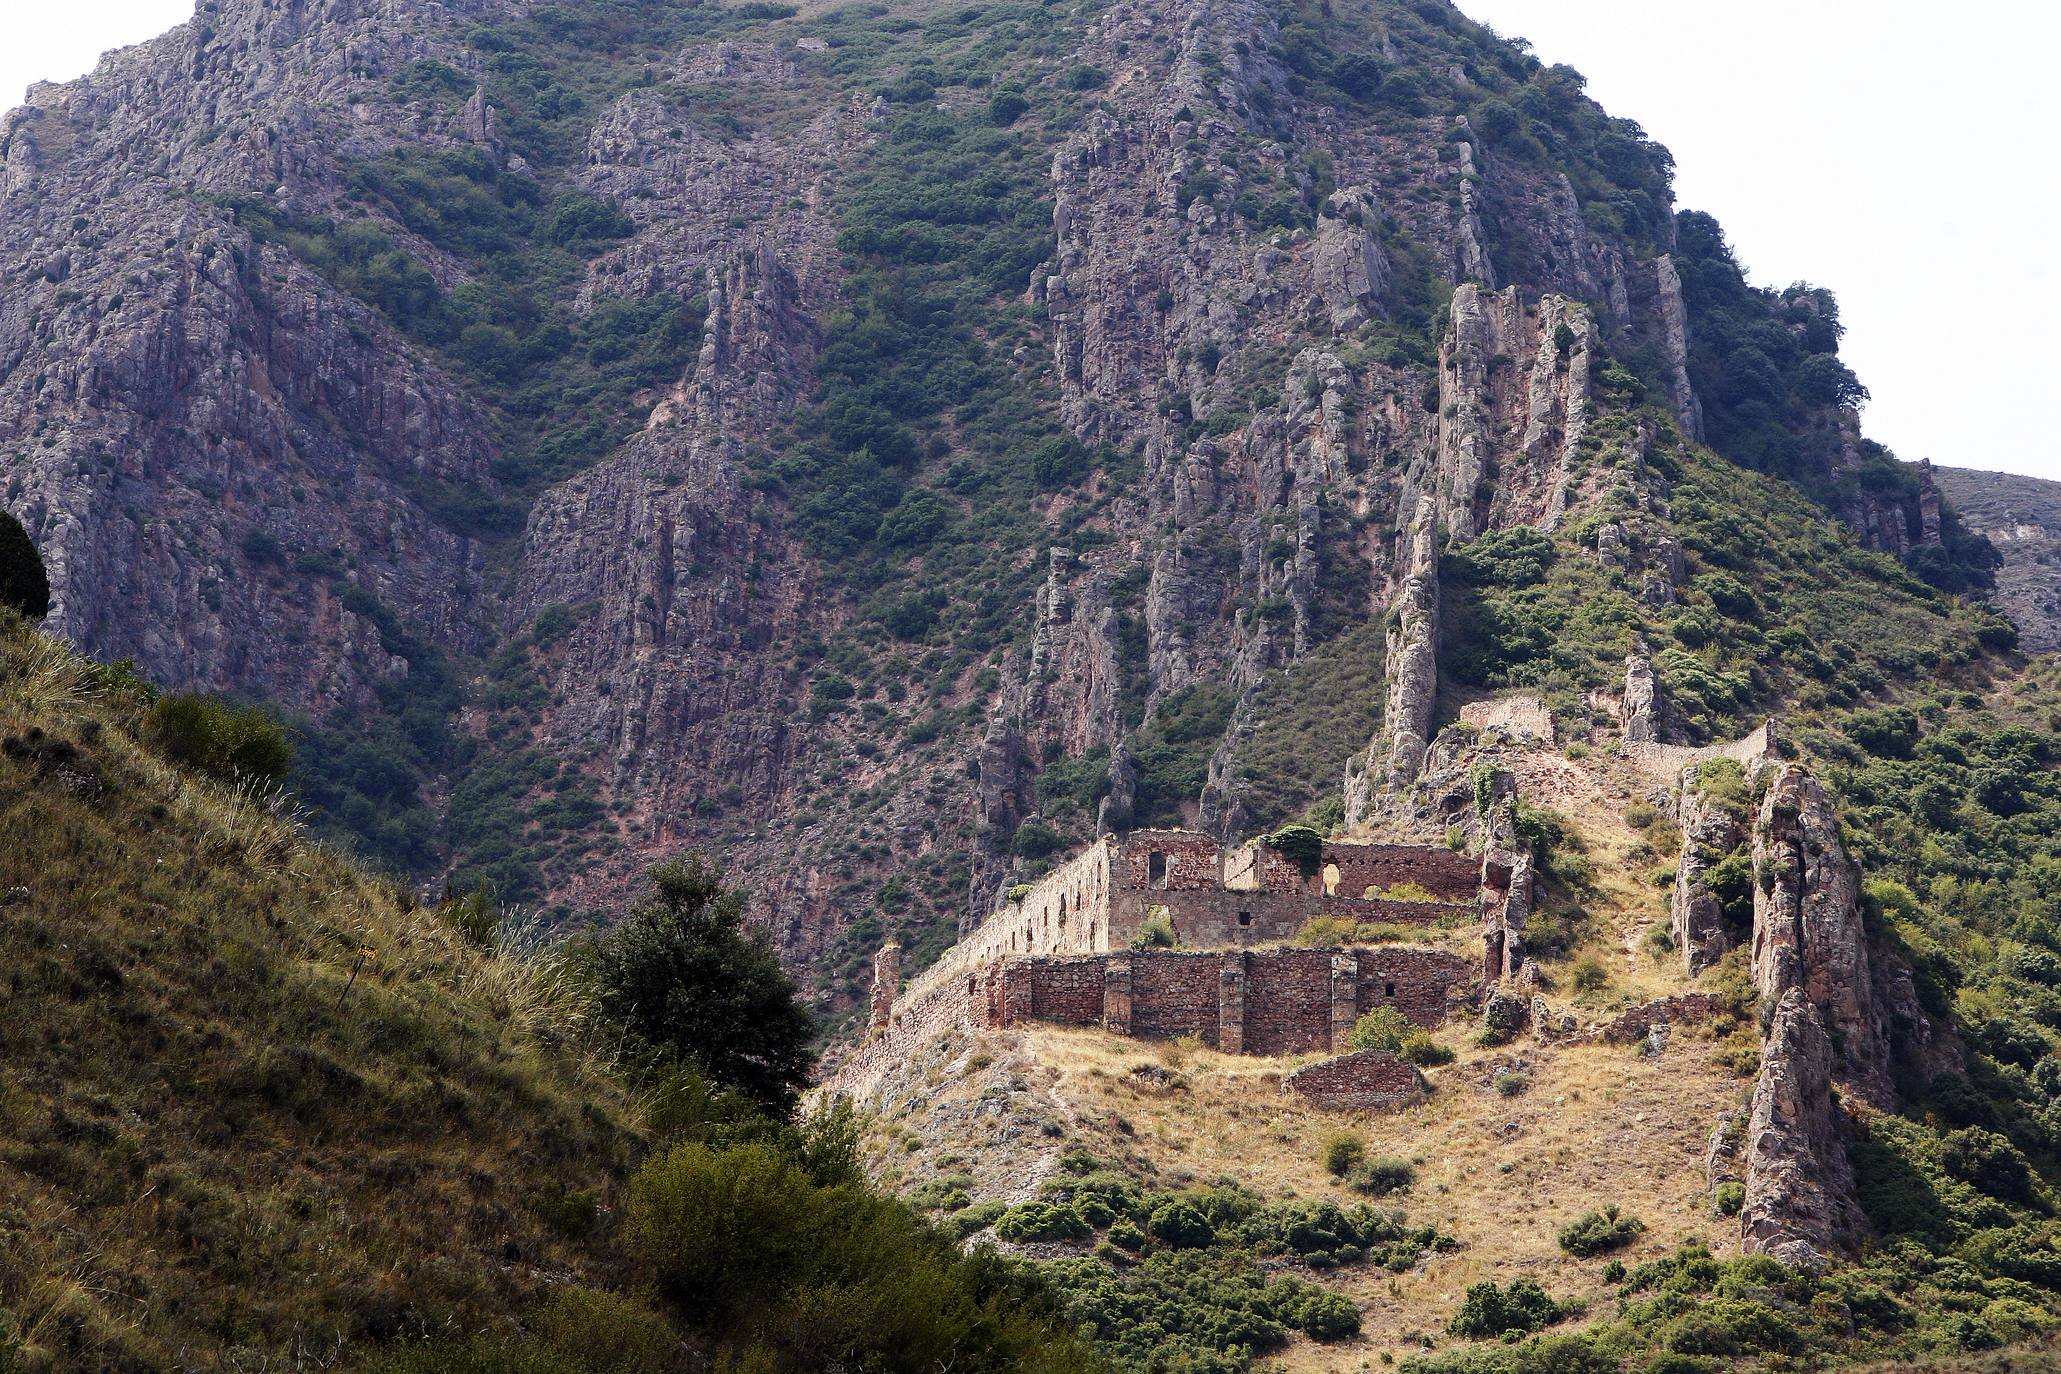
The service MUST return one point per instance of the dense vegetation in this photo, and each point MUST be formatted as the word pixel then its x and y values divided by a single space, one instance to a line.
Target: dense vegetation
pixel 1189 1278
pixel 260 1102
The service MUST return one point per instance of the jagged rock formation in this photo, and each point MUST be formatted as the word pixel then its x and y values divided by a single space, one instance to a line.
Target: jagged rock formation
pixel 1642 710
pixel 1696 918
pixel 1844 1010
pixel 254 453
pixel 1799 1186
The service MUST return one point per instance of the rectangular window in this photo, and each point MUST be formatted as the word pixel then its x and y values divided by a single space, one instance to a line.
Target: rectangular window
pixel 1244 918
pixel 1388 989
pixel 1155 869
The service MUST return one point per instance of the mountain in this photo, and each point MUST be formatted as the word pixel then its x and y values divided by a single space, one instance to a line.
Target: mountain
pixel 861 443
pixel 2019 516
pixel 1145 536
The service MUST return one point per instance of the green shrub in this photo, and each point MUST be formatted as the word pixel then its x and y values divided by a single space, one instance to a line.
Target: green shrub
pixel 1126 1236
pixel 1512 1083
pixel 1729 1198
pixel 1420 1049
pixel 24 586
pixel 1301 843
pixel 1596 1233
pixel 1488 1311
pixel 1342 1152
pixel 1589 975
pixel 1383 1175
pixel 238 744
pixel 1383 1028
pixel 1988 1161
pixel 1156 931
pixel 1179 1224
pixel 747 1240
pixel 683 974
pixel 1041 1221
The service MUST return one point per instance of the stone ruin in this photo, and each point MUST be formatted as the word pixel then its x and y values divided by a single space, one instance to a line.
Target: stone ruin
pixel 1060 952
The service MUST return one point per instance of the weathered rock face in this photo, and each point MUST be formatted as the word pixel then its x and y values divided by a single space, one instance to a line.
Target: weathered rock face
pixel 1799 1187
pixel 1695 916
pixel 248 477
pixel 2021 518
pixel 1807 925
pixel 1642 709
pixel 1843 1010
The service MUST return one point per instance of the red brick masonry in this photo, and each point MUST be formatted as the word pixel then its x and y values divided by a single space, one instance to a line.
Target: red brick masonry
pixel 1369 1080
pixel 1266 1002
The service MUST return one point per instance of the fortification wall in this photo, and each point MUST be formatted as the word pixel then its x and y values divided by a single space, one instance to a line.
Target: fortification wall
pixel 1221 919
pixel 1264 1002
pixel 1355 871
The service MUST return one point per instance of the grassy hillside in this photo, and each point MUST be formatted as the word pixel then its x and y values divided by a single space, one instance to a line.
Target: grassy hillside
pixel 213 1137
pixel 264 1111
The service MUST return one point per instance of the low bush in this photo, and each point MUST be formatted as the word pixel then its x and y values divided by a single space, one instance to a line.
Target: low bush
pixel 1490 1312
pixel 1420 1049
pixel 1383 1028
pixel 236 744
pixel 1156 931
pixel 1384 1175
pixel 1342 1152
pixel 1041 1221
pixel 1597 1233
pixel 818 1271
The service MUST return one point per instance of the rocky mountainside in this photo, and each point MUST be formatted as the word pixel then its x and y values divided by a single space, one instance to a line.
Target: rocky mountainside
pixel 881 445
pixel 2021 518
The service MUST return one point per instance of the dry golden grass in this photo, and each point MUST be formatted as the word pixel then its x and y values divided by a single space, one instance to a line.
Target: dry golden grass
pixel 1599 1124
pixel 216 1145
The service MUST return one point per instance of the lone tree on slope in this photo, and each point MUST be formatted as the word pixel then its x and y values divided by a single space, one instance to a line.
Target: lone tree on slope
pixel 24 587
pixel 685 975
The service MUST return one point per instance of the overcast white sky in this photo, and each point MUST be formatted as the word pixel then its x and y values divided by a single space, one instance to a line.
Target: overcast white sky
pixel 1900 153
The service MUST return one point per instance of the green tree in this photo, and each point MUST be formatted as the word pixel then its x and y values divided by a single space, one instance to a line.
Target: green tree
pixel 24 587
pixel 684 975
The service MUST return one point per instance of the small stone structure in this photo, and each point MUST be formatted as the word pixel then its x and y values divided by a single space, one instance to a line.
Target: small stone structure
pixel 1364 1081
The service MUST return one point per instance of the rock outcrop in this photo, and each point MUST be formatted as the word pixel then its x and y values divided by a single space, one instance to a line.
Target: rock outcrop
pixel 1696 918
pixel 1839 1005
pixel 1799 1186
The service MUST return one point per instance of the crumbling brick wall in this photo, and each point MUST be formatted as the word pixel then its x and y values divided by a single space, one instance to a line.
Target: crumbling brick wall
pixel 1175 994
pixel 1265 1002
pixel 1352 870
pixel 1368 1080
pixel 1063 991
pixel 1287 1001
pixel 1169 861
pixel 1419 983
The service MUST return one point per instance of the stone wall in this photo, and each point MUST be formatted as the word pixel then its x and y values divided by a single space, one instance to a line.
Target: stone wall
pixel 1264 1002
pixel 1169 861
pixel 1062 991
pixel 1354 871
pixel 1288 1002
pixel 1367 1080
pixel 1230 919
pixel 1174 995
pixel 1418 983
